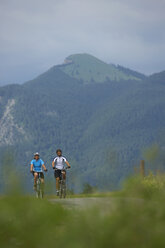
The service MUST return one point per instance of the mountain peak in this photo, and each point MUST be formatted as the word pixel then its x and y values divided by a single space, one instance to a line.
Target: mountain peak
pixel 83 57
pixel 88 68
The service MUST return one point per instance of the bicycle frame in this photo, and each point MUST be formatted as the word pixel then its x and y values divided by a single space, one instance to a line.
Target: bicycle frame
pixel 62 184
pixel 62 191
pixel 39 189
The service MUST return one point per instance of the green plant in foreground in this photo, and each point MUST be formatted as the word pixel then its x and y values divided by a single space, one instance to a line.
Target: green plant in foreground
pixel 148 187
pixel 137 222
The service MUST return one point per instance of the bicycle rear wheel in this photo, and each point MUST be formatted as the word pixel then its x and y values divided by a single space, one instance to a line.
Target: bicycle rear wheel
pixel 38 188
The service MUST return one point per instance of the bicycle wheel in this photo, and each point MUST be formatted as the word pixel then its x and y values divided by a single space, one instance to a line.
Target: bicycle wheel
pixel 60 191
pixel 38 189
pixel 64 189
pixel 41 194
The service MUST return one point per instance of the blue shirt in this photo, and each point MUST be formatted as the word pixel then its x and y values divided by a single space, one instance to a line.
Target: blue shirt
pixel 37 165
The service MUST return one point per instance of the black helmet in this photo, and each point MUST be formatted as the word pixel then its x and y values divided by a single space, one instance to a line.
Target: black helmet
pixel 58 150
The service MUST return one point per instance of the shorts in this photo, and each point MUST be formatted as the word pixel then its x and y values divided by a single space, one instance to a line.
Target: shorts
pixel 58 173
pixel 41 174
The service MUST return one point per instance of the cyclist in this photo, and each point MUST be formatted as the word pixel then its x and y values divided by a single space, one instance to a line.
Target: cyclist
pixel 36 167
pixel 58 164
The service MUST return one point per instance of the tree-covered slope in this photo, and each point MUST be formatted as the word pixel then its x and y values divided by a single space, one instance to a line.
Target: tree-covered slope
pixel 158 77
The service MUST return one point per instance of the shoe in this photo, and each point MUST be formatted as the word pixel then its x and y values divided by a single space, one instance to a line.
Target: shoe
pixel 57 193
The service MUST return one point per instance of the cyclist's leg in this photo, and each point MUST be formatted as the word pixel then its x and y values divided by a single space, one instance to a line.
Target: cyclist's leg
pixel 42 177
pixel 57 183
pixel 42 183
pixel 35 180
pixel 64 175
pixel 57 175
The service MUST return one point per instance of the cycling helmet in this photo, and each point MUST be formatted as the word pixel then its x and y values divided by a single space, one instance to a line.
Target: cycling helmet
pixel 59 150
pixel 36 154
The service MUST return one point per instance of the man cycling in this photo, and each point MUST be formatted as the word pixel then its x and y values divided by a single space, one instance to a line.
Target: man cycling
pixel 36 168
pixel 58 164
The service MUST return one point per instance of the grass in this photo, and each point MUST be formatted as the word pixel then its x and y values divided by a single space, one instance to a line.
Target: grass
pixel 29 222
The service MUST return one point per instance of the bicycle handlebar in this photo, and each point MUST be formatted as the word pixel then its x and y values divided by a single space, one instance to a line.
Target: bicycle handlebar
pixel 38 171
pixel 66 168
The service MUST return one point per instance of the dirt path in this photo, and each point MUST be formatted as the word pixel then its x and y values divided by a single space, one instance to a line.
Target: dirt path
pixel 105 204
pixel 87 202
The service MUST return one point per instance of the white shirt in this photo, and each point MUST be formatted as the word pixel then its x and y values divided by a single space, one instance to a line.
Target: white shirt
pixel 60 162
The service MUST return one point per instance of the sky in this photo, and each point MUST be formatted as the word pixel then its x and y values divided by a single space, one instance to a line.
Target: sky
pixel 38 34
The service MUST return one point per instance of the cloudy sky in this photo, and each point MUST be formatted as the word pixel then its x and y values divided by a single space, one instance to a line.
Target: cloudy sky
pixel 37 34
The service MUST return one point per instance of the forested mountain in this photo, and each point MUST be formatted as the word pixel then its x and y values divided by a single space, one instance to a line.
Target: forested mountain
pixel 158 77
pixel 102 122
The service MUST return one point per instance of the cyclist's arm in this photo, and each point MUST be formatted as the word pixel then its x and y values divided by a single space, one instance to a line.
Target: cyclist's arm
pixel 53 164
pixel 31 167
pixel 44 167
pixel 67 163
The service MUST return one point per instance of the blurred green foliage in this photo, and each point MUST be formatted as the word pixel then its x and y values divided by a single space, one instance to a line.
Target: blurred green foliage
pixel 88 189
pixel 137 219
pixel 154 156
pixel 149 187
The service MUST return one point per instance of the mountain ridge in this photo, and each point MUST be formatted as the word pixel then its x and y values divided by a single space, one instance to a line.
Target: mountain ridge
pixel 129 74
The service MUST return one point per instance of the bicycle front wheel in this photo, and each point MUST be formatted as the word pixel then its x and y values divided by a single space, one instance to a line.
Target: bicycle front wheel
pixel 64 189
pixel 60 191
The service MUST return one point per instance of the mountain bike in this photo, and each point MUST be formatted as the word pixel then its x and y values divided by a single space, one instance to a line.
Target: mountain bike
pixel 39 189
pixel 62 183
